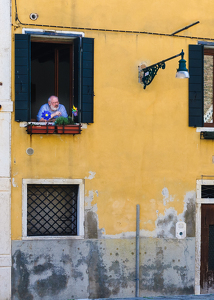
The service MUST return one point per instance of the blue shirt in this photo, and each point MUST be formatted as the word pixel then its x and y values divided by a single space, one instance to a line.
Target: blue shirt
pixel 44 107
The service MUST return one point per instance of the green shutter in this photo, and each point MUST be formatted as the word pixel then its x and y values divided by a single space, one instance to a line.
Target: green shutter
pixel 22 77
pixel 87 82
pixel 196 85
pixel 77 77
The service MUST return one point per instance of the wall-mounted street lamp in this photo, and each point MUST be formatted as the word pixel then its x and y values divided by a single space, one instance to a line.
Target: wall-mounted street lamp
pixel 150 72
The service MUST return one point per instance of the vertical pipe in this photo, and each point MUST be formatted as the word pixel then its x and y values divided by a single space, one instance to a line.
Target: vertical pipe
pixel 137 248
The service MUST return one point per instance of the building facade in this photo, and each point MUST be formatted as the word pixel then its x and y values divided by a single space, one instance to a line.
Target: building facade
pixel 74 197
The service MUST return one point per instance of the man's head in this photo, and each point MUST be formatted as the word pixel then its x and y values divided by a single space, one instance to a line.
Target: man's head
pixel 53 102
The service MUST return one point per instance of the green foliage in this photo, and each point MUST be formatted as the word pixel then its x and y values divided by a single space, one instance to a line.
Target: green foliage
pixel 64 121
pixel 70 121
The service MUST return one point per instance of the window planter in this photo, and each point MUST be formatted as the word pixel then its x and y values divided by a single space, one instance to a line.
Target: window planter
pixel 40 128
pixel 50 128
pixel 71 129
pixel 207 135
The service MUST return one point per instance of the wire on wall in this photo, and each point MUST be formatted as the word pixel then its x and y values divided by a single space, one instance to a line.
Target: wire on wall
pixel 113 30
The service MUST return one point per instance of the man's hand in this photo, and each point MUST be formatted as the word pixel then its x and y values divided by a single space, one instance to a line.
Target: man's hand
pixel 57 113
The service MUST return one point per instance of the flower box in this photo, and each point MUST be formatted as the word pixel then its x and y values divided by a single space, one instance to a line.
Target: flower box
pixel 40 128
pixel 71 129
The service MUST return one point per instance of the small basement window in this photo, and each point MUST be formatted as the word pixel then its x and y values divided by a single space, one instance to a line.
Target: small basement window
pixel 52 210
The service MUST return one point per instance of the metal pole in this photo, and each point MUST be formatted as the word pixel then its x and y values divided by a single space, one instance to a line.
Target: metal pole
pixel 137 249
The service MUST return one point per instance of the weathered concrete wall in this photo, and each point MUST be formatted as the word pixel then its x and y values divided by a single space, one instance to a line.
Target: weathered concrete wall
pixel 66 269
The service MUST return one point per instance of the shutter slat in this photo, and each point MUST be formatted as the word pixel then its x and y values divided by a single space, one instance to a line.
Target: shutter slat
pixel 22 77
pixel 196 86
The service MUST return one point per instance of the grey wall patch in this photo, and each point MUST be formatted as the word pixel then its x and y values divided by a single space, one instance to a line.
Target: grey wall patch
pixel 20 276
pixel 165 224
pixel 91 176
pixel 91 225
pixel 166 197
pixel 189 215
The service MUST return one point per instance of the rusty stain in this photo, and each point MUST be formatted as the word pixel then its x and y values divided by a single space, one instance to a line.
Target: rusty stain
pixel 1 83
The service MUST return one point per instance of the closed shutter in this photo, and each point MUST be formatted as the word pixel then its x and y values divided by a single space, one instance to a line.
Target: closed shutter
pixel 87 86
pixel 196 85
pixel 22 77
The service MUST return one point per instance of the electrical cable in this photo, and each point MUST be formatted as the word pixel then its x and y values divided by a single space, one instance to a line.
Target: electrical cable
pixel 110 30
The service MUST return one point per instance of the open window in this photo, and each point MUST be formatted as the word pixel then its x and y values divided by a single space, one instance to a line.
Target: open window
pixel 208 87
pixel 201 93
pixel 46 66
pixel 51 74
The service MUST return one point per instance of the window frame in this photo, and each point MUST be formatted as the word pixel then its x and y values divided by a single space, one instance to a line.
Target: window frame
pixel 80 207
pixel 83 72
pixel 210 52
pixel 196 86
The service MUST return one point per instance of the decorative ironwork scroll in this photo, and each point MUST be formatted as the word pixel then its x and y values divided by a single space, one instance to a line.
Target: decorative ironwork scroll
pixel 150 73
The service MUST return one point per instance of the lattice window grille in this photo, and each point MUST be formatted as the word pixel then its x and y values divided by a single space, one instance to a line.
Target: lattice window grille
pixel 207 191
pixel 51 210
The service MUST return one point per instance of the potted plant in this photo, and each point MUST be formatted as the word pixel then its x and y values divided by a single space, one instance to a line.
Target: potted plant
pixel 66 125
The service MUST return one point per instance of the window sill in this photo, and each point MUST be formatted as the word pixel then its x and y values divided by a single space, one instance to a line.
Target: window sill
pixel 204 129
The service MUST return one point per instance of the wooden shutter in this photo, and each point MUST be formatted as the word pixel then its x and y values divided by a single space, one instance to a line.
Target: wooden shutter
pixel 84 78
pixel 87 86
pixel 22 77
pixel 196 85
pixel 77 77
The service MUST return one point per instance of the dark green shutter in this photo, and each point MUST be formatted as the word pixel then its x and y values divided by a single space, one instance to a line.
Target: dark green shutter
pixel 22 77
pixel 196 85
pixel 87 84
pixel 77 77
pixel 84 78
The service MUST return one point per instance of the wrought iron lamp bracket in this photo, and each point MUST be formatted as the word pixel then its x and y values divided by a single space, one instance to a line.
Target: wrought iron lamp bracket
pixel 150 73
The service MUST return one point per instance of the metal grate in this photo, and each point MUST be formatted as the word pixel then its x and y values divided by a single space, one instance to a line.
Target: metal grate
pixel 207 191
pixel 211 248
pixel 207 135
pixel 51 210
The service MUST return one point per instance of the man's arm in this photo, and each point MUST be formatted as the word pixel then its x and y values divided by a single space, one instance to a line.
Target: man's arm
pixel 63 111
pixel 39 116
pixel 53 115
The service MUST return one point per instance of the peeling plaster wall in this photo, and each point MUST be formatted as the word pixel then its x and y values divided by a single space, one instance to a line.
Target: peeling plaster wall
pixel 165 223
pixel 52 270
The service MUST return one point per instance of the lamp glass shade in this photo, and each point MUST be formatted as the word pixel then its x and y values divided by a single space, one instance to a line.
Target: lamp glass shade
pixel 182 74
pixel 182 71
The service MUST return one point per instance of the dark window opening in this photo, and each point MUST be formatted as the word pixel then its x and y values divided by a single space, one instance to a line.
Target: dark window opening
pixel 52 210
pixel 207 191
pixel 51 74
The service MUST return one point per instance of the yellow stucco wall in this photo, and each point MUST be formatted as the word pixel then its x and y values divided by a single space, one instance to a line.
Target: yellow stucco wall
pixel 140 142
